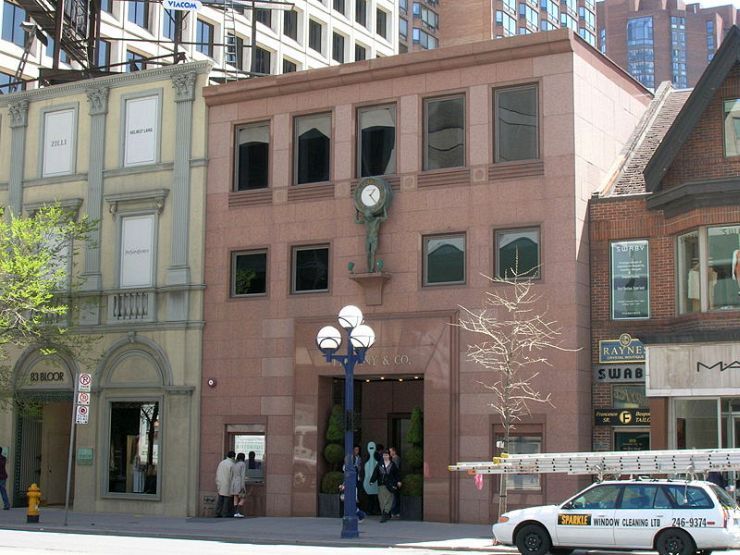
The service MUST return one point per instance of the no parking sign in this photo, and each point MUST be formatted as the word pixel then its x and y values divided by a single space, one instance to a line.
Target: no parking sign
pixel 83 414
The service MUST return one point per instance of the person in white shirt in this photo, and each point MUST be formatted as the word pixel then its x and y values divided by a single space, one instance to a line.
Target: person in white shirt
pixel 223 483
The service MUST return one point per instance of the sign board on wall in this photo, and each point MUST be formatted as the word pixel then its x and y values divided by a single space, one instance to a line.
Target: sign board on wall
pixel 610 373
pixel 693 369
pixel 141 131
pixel 624 350
pixel 621 417
pixel 84 456
pixel 58 148
pixel 137 251
pixel 630 280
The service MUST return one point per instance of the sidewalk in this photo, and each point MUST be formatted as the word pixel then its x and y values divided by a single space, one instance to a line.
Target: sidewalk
pixel 264 530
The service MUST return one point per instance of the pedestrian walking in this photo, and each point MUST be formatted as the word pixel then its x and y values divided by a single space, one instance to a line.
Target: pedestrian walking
pixel 388 479
pixel 238 487
pixel 396 509
pixel 223 483
pixel 3 480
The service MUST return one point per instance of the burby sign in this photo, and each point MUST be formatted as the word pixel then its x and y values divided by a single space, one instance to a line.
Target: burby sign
pixel 184 5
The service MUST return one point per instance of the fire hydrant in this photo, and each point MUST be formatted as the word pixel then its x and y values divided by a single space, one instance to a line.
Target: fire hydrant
pixel 34 496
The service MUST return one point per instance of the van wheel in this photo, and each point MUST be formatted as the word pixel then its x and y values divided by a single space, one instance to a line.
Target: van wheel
pixel 533 539
pixel 675 542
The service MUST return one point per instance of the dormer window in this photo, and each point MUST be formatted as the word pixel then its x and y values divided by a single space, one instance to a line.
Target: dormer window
pixel 732 127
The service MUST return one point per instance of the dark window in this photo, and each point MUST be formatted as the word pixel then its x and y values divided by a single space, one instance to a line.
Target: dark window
pixel 134 448
pixel 252 156
pixel 288 66
pixel 642 497
pixel 264 16
pixel 685 497
pixel 103 53
pixel 63 56
pixel 337 48
pixel 516 124
pixel 290 24
pixel 518 253
pixel 339 6
pixel 249 273
pixel 444 259
pixel 262 63
pixel 235 51
pixel 444 133
pixel 598 497
pixel 361 12
pixel 204 38
pixel 13 16
pixel 381 23
pixel 5 80
pixel 106 6
pixel 312 147
pixel 360 53
pixel 138 12
pixel 135 61
pixel 314 35
pixel 168 23
pixel 376 145
pixel 310 269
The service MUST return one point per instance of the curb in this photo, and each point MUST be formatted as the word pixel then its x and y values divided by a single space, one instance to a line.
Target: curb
pixel 259 541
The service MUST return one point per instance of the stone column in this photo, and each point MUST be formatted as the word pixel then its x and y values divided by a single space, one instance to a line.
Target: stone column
pixel 18 123
pixel 178 272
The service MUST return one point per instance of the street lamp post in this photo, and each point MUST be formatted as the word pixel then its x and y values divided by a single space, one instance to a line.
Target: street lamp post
pixel 361 338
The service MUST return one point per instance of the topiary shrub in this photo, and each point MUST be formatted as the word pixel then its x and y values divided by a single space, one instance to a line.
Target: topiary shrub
pixel 335 427
pixel 331 481
pixel 414 458
pixel 334 454
pixel 413 485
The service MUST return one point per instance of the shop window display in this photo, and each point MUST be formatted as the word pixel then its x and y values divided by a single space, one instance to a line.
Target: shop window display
pixel 696 423
pixel 134 448
pixel 689 285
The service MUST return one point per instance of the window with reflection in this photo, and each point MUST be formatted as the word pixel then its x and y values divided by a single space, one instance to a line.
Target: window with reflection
pixel 312 147
pixel 310 269
pixel 251 440
pixel 732 127
pixel 376 146
pixel 444 132
pixel 518 253
pixel 252 156
pixel 516 126
pixel 133 464
pixel 522 445
pixel 249 273
pixel 444 259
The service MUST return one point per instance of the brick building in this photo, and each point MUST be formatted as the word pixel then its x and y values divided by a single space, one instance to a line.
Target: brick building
pixel 663 40
pixel 489 148
pixel 475 20
pixel 665 249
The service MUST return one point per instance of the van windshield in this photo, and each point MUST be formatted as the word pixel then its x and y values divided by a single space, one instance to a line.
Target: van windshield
pixel 725 499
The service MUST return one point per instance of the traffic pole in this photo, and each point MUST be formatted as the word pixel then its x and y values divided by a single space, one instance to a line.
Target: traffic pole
pixel 71 447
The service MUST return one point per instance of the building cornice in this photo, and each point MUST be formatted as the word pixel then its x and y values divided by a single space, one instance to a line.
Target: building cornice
pixel 112 81
pixel 414 63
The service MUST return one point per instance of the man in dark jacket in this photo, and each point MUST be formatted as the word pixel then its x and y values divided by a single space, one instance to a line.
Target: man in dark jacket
pixel 3 480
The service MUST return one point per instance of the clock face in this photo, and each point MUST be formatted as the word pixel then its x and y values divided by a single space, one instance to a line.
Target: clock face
pixel 370 195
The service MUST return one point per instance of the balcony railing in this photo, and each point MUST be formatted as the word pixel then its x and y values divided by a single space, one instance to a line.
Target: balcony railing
pixel 131 305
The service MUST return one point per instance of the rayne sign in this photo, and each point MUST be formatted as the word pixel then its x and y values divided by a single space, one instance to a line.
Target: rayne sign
pixel 694 369
pixel 185 5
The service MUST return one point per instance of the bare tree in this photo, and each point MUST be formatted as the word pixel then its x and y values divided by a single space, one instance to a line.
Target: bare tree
pixel 515 335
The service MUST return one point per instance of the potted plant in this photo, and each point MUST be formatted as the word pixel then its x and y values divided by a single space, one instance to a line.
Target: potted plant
pixel 413 482
pixel 334 456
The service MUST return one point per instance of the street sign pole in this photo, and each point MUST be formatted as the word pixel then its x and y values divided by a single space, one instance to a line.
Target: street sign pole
pixel 71 448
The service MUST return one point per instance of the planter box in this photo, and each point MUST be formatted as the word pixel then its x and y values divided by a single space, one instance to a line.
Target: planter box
pixel 329 505
pixel 411 508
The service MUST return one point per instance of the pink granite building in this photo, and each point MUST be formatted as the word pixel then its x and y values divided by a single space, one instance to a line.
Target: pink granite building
pixel 489 149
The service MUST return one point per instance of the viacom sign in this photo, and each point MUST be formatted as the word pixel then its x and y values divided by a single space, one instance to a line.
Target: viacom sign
pixel 184 5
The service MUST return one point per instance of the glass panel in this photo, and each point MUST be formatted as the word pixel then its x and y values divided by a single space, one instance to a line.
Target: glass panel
pixel 444 260
pixel 631 441
pixel 252 156
pixel 445 133
pixel 377 148
pixel 516 124
pixel 518 253
pixel 629 396
pixel 689 289
pixel 290 24
pixel 686 497
pixel 311 269
pixel 638 497
pixel 250 273
pixel 522 445
pixel 599 497
pixel 134 447
pixel 696 423
pixel 723 267
pixel 253 446
pixel 630 279
pixel 732 127
pixel 314 35
pixel 313 144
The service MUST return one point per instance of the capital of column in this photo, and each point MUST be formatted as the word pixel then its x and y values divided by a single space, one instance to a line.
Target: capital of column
pixel 18 113
pixel 184 85
pixel 98 100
